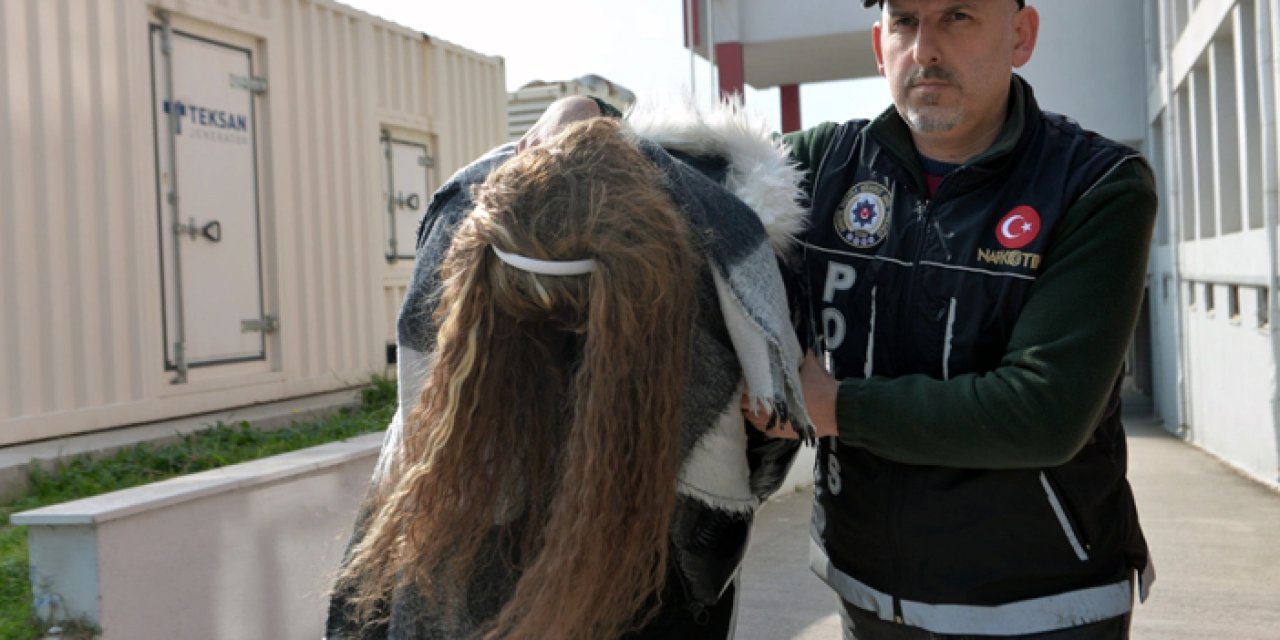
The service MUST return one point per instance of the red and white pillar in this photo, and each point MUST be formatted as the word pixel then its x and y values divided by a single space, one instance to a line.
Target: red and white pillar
pixel 730 69
pixel 790 98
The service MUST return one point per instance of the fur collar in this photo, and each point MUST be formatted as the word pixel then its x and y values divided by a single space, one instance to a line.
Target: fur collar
pixel 761 172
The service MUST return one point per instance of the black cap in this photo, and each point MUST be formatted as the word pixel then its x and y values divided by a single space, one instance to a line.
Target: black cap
pixel 872 3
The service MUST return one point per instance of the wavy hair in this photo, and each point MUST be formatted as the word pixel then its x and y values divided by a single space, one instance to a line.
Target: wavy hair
pixel 550 420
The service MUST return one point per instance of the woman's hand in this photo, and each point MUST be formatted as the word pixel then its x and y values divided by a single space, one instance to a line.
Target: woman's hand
pixel 760 417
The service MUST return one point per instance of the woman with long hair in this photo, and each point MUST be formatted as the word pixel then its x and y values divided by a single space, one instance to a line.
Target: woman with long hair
pixel 559 474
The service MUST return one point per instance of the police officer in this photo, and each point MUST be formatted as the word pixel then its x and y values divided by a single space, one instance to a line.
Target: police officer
pixel 974 268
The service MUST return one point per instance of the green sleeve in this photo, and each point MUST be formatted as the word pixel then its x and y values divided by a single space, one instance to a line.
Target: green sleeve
pixel 807 148
pixel 1039 406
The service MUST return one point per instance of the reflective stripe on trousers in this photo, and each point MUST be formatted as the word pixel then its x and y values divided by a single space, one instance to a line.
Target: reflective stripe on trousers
pixel 864 625
pixel 1058 611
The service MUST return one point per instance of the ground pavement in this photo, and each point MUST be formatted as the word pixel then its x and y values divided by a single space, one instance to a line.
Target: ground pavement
pixel 1214 534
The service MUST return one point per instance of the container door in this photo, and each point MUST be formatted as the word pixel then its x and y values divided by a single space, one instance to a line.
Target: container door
pixel 211 266
pixel 407 194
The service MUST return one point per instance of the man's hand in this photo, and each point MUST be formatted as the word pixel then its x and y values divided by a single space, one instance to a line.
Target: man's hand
pixel 560 114
pixel 819 399
pixel 819 395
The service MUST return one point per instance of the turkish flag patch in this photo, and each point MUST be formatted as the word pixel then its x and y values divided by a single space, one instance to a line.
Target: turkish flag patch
pixel 1018 227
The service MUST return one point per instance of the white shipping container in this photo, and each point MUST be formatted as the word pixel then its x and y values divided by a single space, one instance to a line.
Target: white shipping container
pixel 207 204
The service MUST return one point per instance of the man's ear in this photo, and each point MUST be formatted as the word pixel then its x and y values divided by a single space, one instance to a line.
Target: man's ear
pixel 875 45
pixel 1026 27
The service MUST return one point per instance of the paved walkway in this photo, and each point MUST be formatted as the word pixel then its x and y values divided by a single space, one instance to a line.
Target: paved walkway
pixel 1214 534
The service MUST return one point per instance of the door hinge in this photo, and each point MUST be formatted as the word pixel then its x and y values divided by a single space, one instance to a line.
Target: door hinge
pixel 250 84
pixel 265 324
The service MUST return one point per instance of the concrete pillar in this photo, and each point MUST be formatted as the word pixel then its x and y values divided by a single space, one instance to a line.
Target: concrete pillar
pixel 692 24
pixel 790 96
pixel 732 70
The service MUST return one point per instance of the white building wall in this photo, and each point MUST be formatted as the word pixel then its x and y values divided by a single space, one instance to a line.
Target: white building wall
pixel 1164 302
pixel 81 325
pixel 1089 64
pixel 1208 108
pixel 1231 380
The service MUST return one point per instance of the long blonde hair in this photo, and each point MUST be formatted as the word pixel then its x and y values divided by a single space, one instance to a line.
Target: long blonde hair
pixel 555 401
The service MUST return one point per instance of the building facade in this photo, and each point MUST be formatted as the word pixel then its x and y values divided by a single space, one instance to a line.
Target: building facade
pixel 1211 111
pixel 1190 83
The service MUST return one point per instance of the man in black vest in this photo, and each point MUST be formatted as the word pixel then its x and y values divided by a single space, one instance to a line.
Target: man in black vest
pixel 974 270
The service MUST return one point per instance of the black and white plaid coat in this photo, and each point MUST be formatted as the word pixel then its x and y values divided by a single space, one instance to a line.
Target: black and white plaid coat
pixel 737 185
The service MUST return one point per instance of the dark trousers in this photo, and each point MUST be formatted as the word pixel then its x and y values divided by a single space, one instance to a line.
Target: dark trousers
pixel 863 625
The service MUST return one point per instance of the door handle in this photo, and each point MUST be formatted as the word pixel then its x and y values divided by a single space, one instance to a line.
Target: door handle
pixel 212 231
pixel 410 201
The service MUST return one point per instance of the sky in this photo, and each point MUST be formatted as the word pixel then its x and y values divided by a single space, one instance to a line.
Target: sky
pixel 637 44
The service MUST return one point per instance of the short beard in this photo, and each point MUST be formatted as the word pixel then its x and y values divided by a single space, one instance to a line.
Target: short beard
pixel 930 119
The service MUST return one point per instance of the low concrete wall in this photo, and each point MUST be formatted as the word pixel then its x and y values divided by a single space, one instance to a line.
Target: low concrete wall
pixel 246 551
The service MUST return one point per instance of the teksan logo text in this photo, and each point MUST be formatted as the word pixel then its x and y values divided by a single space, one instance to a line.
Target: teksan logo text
pixel 214 125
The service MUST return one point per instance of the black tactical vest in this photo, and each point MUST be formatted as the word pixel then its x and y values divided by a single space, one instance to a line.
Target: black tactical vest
pixel 904 284
pixel 898 284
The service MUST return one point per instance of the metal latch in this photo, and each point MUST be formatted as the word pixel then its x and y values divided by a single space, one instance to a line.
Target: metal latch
pixel 212 231
pixel 426 161
pixel 266 324
pixel 250 83
pixel 410 201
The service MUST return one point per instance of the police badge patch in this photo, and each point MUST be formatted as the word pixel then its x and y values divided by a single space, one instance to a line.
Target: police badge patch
pixel 862 219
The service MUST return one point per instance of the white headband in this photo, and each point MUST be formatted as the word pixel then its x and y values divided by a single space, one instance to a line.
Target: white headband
pixel 546 267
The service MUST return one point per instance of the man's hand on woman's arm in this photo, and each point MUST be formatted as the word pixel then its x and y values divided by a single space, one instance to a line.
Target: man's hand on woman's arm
pixel 819 400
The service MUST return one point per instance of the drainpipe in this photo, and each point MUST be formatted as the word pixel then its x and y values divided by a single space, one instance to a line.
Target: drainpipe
pixel 1173 170
pixel 711 54
pixel 1268 29
pixel 691 37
